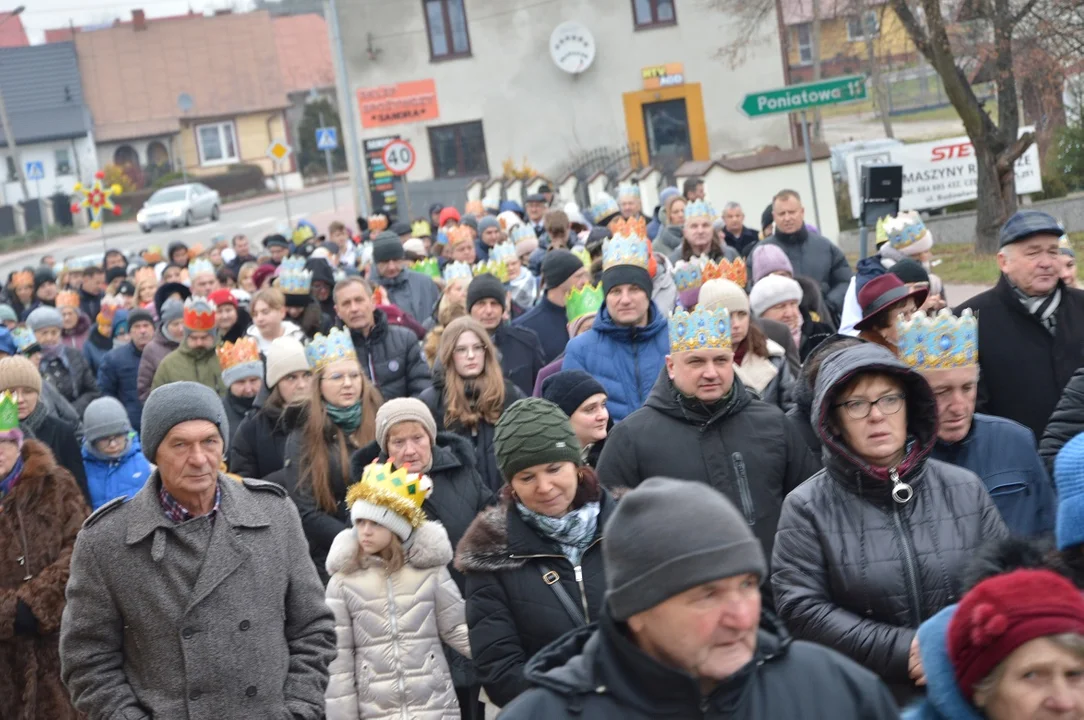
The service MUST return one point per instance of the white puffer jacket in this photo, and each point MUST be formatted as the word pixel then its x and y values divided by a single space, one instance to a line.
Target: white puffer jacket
pixel 390 663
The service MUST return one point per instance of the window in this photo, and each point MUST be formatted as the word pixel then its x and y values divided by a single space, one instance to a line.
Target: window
pixel 859 28
pixel 652 13
pixel 217 143
pixel 13 172
pixel 458 150
pixel 805 43
pixel 63 162
pixel 447 23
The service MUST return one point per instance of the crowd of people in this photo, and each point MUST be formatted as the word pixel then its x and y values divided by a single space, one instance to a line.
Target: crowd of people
pixel 544 462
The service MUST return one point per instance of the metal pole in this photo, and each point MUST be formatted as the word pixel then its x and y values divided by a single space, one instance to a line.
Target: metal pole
pixel 350 122
pixel 41 212
pixel 863 240
pixel 180 153
pixel 330 177
pixel 406 201
pixel 10 138
pixel 809 166
pixel 285 195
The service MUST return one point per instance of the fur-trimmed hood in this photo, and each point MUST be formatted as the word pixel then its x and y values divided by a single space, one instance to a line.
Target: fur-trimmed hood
pixel 428 547
pixel 38 461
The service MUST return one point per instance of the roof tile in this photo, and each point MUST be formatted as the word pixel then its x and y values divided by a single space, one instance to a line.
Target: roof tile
pixel 304 52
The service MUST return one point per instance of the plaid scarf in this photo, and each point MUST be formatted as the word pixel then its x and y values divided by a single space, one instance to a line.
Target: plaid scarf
pixel 574 532
pixel 1043 308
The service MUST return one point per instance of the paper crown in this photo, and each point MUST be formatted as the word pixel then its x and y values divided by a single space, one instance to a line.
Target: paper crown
pixel 23 278
pixel 905 229
pixel 585 301
pixel 497 268
pixel 585 257
pixel 428 266
pixel 377 223
pixel 735 271
pixel 67 299
pixel 200 265
pixel 880 236
pixel 106 313
pixel 9 412
pixel 628 190
pixel 396 489
pixel 628 246
pixel 421 229
pixel 603 208
pixel 294 279
pixel 521 232
pixel 24 338
pixel 457 271
pixel 699 209
pixel 326 349
pixel 145 273
pixel 380 296
pixel 689 275
pixel 700 330
pixel 941 342
pixel 232 354
pixel 503 252
pixel 199 314
pixel 459 234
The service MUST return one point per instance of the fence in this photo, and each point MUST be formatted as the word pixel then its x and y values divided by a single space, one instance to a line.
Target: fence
pixel 920 88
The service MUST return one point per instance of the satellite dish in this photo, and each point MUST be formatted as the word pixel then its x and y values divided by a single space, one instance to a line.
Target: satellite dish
pixel 184 102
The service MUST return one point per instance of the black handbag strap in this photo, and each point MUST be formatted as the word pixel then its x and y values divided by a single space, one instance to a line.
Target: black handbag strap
pixel 551 578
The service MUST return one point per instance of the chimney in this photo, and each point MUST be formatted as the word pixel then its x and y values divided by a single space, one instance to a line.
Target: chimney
pixel 223 11
pixel 139 20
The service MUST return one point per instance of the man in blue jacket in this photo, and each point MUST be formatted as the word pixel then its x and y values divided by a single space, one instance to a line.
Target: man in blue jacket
pixel 119 372
pixel 562 272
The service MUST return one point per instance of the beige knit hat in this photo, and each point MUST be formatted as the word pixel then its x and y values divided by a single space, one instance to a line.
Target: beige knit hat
pixel 18 372
pixel 400 410
pixel 719 293
pixel 285 356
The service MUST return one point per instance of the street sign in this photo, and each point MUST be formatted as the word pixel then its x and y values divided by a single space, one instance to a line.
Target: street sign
pixel 327 138
pixel 278 151
pixel 35 170
pixel 805 97
pixel 399 157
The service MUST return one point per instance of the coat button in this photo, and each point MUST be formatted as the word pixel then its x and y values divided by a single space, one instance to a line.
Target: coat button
pixel 250 691
pixel 194 695
pixel 245 625
pixel 187 633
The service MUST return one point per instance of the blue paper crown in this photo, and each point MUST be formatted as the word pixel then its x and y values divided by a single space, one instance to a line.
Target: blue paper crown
pixel 521 232
pixel 699 209
pixel 294 279
pixel 626 247
pixel 688 276
pixel 200 265
pixel 324 350
pixel 941 342
pixel 700 330
pixel 905 229
pixel 603 208
pixel 628 190
pixel 503 252
pixel 457 271
pixel 24 338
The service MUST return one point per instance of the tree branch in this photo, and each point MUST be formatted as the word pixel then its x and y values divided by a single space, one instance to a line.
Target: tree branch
pixel 1024 11
pixel 913 27
pixel 1008 158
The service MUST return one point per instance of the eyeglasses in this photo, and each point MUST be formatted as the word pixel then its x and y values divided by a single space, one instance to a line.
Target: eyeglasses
pixel 469 350
pixel 860 409
pixel 340 378
pixel 113 439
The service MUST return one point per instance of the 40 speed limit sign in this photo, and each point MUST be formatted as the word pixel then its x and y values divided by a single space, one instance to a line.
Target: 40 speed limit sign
pixel 399 157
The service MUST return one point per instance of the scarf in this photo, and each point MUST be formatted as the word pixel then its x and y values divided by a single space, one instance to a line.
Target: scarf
pixel 348 419
pixel 12 478
pixel 1042 307
pixel 95 453
pixel 574 532
pixel 52 352
pixel 37 416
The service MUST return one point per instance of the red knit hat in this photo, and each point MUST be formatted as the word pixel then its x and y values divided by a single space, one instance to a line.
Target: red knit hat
pixel 222 296
pixel 1002 613
pixel 447 215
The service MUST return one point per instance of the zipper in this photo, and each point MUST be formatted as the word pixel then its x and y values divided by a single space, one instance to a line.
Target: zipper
pixel 636 365
pixel 909 567
pixel 579 581
pixel 743 488
pixel 393 620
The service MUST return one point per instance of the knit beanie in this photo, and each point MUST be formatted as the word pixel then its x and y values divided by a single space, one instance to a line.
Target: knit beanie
pixel 486 223
pixel 120 323
pixel 104 418
pixel 44 317
pixel 1002 613
pixel 667 536
pixel 18 372
pixel 626 275
pixel 42 275
pixel 446 216
pixel 114 273
pixel 387 246
pixel 399 410
pixel 533 432
pixel 7 313
pixel 558 266
pixel 772 290
pixel 177 402
pixel 470 221
pixel 172 310
pixel 768 259
pixel 486 286
pixel 910 271
pixel 1069 479
pixel 286 355
pixel 719 293
pixel 569 389
pixel 222 296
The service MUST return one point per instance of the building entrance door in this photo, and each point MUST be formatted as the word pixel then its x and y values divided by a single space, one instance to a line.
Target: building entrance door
pixel 666 125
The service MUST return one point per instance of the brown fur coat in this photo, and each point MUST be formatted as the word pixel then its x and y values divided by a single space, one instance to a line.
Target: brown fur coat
pixel 39 520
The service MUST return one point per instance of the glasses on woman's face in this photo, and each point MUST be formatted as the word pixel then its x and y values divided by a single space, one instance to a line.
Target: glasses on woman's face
pixel 341 378
pixel 469 350
pixel 860 409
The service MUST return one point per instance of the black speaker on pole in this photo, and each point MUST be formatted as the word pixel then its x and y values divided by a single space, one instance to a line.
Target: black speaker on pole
pixel 882 182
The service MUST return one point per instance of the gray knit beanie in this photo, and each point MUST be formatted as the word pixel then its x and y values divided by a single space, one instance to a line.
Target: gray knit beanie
pixel 171 310
pixel 400 410
pixel 104 418
pixel 44 317
pixel 532 432
pixel 667 536
pixel 175 403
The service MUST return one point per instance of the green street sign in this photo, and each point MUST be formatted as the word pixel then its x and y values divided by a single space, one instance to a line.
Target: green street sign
pixel 803 97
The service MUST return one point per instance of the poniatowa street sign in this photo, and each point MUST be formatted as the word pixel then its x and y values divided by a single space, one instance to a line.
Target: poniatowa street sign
pixel 804 97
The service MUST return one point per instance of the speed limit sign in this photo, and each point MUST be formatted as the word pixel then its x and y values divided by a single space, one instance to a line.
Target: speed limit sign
pixel 399 157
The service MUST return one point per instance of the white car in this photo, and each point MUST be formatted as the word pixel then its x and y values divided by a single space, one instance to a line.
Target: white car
pixel 178 205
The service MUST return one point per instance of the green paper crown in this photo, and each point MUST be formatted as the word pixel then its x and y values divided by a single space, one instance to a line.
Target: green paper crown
pixel 584 302
pixel 9 412
pixel 429 267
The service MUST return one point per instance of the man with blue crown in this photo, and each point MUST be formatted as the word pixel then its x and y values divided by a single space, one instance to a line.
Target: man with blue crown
pixel 944 349
pixel 705 426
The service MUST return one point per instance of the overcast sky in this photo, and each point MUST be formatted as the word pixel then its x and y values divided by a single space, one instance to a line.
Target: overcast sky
pixel 42 14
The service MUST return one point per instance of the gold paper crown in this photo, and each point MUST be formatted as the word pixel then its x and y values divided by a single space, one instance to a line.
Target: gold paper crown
pixel 398 490
pixel 941 342
pixel 458 234
pixel 67 299
pixel 421 229
pixel 232 354
pixel 735 271
pixel 496 268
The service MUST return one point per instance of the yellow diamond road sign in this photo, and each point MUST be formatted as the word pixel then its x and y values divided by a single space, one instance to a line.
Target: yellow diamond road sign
pixel 278 151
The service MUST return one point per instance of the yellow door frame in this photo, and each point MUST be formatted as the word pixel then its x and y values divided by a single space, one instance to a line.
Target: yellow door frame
pixel 694 107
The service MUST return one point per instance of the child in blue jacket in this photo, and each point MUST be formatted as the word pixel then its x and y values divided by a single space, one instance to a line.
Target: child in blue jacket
pixel 112 456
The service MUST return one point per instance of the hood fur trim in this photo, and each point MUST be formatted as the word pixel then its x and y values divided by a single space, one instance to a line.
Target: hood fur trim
pixel 484 547
pixel 428 547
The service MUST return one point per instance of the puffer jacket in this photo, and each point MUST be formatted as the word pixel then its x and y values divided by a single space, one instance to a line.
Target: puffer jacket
pixel 77 336
pixel 626 360
pixel 1066 422
pixel 392 358
pixel 412 292
pixel 237 410
pixel 122 476
pixel 769 377
pixel 259 445
pixel 389 664
pixel 521 354
pixel 152 357
pixel 817 257
pixel 858 572
pixel 70 374
pixel 184 363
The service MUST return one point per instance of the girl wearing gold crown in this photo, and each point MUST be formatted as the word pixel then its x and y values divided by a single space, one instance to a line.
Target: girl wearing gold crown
pixel 394 601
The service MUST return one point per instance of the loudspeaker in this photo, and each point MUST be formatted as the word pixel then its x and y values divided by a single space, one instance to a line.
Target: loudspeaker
pixel 882 182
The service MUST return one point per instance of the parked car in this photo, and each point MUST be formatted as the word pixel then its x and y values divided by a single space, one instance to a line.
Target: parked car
pixel 178 205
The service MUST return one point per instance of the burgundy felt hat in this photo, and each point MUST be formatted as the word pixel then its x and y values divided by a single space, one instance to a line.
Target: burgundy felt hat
pixel 882 292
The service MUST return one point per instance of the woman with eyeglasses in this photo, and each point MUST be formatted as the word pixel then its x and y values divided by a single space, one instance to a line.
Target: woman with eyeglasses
pixel 112 456
pixel 876 543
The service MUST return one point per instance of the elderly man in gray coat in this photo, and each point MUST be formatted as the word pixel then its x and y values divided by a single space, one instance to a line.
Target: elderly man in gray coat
pixel 195 599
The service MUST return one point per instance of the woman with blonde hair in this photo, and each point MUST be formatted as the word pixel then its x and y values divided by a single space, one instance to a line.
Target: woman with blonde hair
pixel 671 222
pixel 244 277
pixel 145 289
pixel 452 304
pixel 269 321
pixel 469 391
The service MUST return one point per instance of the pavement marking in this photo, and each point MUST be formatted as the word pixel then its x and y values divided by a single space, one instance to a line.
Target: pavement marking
pixel 257 223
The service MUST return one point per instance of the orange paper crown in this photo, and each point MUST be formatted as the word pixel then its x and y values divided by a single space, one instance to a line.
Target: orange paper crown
pixel 22 278
pixel 243 351
pixel 475 208
pixel 458 234
pixel 145 273
pixel 635 227
pixel 67 298
pixel 726 270
pixel 199 314
pixel 377 223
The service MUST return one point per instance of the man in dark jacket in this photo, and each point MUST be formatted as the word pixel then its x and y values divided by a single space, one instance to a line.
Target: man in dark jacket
pixel 118 375
pixel 519 347
pixel 1066 422
pixel 562 272
pixel 1031 325
pixel 90 292
pixel 414 293
pixel 242 249
pixel 682 633
pixel 735 233
pixel 389 354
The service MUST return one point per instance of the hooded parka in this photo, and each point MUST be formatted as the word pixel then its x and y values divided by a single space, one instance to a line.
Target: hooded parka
pixel 184 363
pixel 71 375
pixel 259 445
pixel 150 359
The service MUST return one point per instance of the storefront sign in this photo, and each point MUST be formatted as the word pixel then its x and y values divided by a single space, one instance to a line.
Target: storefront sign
pixel 660 76
pixel 381 180
pixel 938 173
pixel 406 102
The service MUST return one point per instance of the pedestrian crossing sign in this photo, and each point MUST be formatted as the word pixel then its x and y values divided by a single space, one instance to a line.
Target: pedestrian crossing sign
pixel 35 170
pixel 327 138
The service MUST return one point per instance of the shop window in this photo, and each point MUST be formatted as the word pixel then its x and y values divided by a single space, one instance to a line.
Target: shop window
pixel 458 150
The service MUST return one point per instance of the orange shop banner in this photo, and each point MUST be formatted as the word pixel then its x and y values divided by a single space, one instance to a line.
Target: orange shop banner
pixel 405 102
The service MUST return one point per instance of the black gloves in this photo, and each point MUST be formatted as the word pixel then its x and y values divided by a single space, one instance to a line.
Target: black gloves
pixel 25 622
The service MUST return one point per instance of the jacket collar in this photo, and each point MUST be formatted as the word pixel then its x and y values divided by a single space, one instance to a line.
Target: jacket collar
pixel 605 325
pixel 664 397
pixel 145 514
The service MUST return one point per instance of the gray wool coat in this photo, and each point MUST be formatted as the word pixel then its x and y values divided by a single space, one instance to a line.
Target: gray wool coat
pixel 249 639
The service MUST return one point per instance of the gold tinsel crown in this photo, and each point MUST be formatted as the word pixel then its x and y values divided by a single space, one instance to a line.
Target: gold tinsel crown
pixel 396 489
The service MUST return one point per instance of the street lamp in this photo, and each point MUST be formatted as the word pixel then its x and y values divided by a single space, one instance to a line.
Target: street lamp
pixel 8 135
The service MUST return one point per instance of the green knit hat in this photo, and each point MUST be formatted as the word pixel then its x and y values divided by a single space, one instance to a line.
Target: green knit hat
pixel 534 431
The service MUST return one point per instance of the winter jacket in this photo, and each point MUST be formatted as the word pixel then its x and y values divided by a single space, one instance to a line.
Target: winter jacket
pixel 550 369
pixel 744 242
pixel 392 358
pixel 59 405
pixel 550 322
pixel 412 292
pixel 259 445
pixel 1066 422
pixel 118 377
pixel 663 288
pixel 152 356
pixel 90 304
pixel 389 627
pixel 744 448
pixel 768 377
pixel 1002 453
pixel 39 520
pixel 521 354
pixel 512 612
pixel 1023 367
pixel 943 700
pixel 600 673
pixel 524 288
pixel 95 349
pixel 70 374
pixel 236 412
pixel 817 257
pixel 668 240
pixel 855 570
pixel 481 437
pixel 77 336
pixel 121 477
pixel 813 334
pixel 184 363
pixel 289 329
pixel 60 437
pixel 154 629
pixel 626 360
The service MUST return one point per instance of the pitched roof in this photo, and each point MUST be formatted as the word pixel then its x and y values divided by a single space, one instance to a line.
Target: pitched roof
pixel 304 51
pixel 42 92
pixel 133 77
pixel 63 34
pixel 12 33
pixel 796 12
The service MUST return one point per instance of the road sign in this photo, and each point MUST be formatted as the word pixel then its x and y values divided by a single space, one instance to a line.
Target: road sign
pixel 804 97
pixel 278 151
pixel 399 157
pixel 327 138
pixel 35 170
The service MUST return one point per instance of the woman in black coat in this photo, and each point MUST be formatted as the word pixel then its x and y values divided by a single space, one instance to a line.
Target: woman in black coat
pixel 874 544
